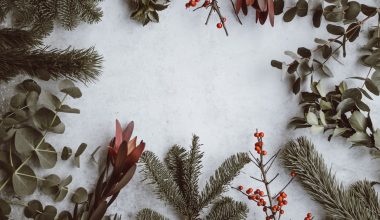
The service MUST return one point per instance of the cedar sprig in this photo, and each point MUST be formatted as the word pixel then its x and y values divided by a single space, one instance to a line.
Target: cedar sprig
pixel 77 64
pixel 272 204
pixel 360 201
pixel 176 182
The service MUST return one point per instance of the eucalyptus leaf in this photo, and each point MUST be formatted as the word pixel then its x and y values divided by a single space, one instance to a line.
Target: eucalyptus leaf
pixel 67 86
pixel 359 138
pixel 26 140
pixel 46 119
pixel 290 14
pixel 24 181
pixel 376 136
pixel 80 196
pixel 66 153
pixel 34 207
pixel 358 121
pixel 18 100
pixel 312 118
pixel 47 156
pixel 371 86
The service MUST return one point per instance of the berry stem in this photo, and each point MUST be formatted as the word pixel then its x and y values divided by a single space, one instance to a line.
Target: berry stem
pixel 236 14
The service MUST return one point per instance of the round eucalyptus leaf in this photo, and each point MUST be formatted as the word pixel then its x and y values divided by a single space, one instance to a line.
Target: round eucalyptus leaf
pixel 59 129
pixel 66 153
pixel 18 100
pixel 352 11
pixel 26 140
pixel 51 180
pixel 24 181
pixel 66 181
pixel 61 194
pixel 67 86
pixel 80 149
pixel 29 85
pixel 49 211
pixel 47 155
pixel 80 196
pixel 65 215
pixel 32 100
pixel 34 207
pixel 53 101
pixel 334 29
pixel 44 117
pixel 302 8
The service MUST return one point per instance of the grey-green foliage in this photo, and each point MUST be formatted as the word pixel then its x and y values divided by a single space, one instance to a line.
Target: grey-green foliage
pixel 148 214
pixel 176 182
pixel 147 10
pixel 33 114
pixel 41 15
pixel 359 201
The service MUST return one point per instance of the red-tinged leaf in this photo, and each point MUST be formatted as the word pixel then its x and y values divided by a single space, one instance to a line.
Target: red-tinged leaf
pixel 118 135
pixel 238 6
pixel 127 133
pixel 100 211
pixel 263 17
pixel 271 12
pixel 134 157
pixel 250 2
pixel 262 5
pixel 132 145
pixel 121 158
pixel 124 181
pixel 244 7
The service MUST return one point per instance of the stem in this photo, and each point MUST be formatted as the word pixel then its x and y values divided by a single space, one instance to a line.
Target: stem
pixel 236 13
pixel 214 5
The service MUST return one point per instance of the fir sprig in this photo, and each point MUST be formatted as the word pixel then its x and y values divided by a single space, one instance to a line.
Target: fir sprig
pixel 15 38
pixel 176 182
pixel 82 65
pixel 360 201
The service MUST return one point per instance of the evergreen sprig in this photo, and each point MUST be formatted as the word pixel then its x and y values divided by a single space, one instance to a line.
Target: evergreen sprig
pixel 148 214
pixel 360 201
pixel 41 15
pixel 176 182
pixel 15 38
pixel 76 64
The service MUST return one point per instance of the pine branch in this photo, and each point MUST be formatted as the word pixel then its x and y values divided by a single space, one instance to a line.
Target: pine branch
pixel 67 14
pixel 165 187
pixel 82 65
pixel 216 185
pixel 148 214
pixel 301 157
pixel 193 168
pixel 175 162
pixel 227 208
pixel 367 195
pixel 15 38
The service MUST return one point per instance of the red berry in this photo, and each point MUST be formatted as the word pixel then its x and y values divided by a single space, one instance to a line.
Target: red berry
pixel 261 134
pixel 259 151
pixel 281 204
pixel 251 197
pixel 285 202
pixel 282 212
pixel 187 5
pixel 224 19
pixel 293 174
pixel 240 188
pixel 264 152
pixel 197 1
pixel 283 194
pixel 206 3
pixel 219 25
pixel 257 148
pixel 309 215
pixel 193 3
pixel 249 191
pixel 256 135
pixel 307 218
pixel 265 209
pixel 279 198
pixel 261 193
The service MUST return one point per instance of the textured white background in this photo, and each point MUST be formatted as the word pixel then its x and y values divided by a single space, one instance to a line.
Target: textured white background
pixel 181 77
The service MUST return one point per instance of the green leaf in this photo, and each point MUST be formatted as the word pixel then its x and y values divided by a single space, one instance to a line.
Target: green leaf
pixel 47 156
pixel 34 207
pixel 304 52
pixel 312 118
pixel 24 181
pixel 66 153
pixel 346 105
pixel 358 121
pixel 29 85
pixel 26 140
pixel 5 208
pixel 359 138
pixel 352 11
pixel 290 14
pixel 302 8
pixel 80 196
pixel 317 16
pixel 277 64
pixel 18 100
pixel 376 78
pixel 317 129
pixel 339 131
pixel 67 86
pixel 326 70
pixel 297 86
pixel 68 109
pixel 80 150
pixel 371 86
pixel 45 119
pixel 353 93
pixel 334 29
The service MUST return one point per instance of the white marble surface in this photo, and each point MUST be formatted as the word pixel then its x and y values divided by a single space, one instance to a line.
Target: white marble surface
pixel 181 77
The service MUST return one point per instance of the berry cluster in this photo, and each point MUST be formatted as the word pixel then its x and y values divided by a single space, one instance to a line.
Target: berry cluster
pixel 272 206
pixel 309 216
pixel 259 144
pixel 213 6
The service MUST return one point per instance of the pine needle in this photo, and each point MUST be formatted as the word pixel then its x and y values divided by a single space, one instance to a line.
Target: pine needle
pixel 226 208
pixel 148 214
pixel 301 157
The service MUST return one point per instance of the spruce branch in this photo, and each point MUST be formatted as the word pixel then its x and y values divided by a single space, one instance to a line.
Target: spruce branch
pixel 364 191
pixel 175 162
pixel 301 157
pixel 159 176
pixel 226 208
pixel 193 166
pixel 148 214
pixel 76 64
pixel 217 184
pixel 15 38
